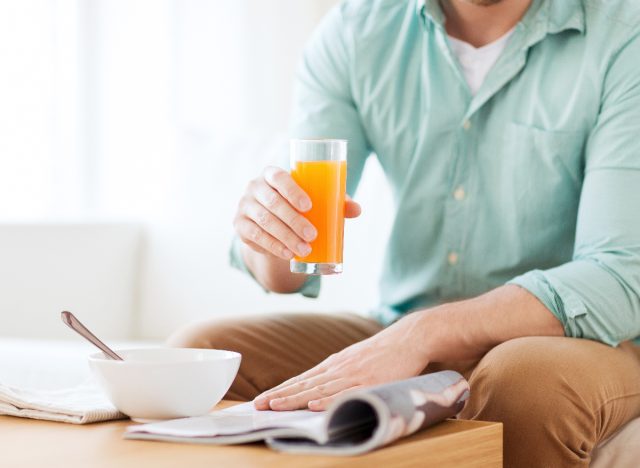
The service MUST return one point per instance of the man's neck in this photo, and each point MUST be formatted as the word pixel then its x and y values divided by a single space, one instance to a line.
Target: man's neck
pixel 480 25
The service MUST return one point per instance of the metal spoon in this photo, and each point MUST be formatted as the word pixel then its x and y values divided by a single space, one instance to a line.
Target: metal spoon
pixel 76 326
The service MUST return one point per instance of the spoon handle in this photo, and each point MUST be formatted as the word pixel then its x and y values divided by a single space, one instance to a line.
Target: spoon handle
pixel 75 324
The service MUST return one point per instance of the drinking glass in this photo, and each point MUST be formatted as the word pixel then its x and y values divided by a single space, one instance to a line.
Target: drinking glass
pixel 319 167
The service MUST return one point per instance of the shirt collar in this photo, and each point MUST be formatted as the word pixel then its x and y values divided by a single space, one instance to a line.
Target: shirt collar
pixel 563 15
pixel 554 16
pixel 430 9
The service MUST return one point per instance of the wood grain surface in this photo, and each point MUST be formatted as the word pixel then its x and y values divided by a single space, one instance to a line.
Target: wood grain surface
pixel 30 443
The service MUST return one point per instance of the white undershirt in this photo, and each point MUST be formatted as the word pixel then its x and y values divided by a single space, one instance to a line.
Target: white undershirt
pixel 476 62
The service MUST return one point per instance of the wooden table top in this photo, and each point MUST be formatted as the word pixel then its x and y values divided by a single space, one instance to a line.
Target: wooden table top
pixel 31 443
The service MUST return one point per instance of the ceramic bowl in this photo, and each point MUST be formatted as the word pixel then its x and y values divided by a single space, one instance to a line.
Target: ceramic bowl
pixel 166 383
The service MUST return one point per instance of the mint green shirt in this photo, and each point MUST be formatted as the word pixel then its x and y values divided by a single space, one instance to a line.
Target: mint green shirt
pixel 533 181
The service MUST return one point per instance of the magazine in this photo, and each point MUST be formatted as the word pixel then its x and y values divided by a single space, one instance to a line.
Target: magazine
pixel 356 423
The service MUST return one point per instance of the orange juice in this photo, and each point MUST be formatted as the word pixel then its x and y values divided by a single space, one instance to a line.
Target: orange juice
pixel 325 183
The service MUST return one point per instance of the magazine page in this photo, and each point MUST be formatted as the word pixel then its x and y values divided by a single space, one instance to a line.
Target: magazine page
pixel 237 424
pixel 370 418
pixel 357 423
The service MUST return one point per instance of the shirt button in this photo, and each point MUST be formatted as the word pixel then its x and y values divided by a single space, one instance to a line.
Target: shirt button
pixel 452 258
pixel 459 194
pixel 466 124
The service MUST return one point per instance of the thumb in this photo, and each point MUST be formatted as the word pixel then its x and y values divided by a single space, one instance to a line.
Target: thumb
pixel 351 209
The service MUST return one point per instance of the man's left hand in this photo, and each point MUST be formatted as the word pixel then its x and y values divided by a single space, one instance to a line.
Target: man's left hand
pixel 395 353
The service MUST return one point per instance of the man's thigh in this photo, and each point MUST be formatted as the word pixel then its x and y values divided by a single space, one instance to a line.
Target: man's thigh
pixel 276 347
pixel 557 397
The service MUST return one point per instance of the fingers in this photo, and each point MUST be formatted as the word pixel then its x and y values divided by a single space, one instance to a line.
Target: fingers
pixel 323 403
pixel 269 219
pixel 317 390
pixel 250 233
pixel 293 388
pixel 282 181
pixel 261 402
pixel 351 208
pixel 256 247
pixel 286 186
pixel 317 370
pixel 273 202
pixel 277 229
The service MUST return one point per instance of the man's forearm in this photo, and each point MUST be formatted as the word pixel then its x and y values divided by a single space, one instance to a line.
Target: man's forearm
pixel 272 272
pixel 468 329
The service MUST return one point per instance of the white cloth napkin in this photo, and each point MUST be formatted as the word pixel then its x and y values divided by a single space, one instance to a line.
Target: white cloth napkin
pixel 83 404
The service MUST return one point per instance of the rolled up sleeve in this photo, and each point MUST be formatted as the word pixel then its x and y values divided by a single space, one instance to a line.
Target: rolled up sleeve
pixel 597 295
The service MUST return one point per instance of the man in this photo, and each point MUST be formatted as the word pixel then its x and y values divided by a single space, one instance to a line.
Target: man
pixel 508 130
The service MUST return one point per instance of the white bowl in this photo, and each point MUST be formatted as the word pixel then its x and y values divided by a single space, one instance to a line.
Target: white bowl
pixel 166 383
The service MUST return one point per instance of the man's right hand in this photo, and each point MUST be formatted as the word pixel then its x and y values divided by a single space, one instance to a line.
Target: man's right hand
pixel 269 218
pixel 269 221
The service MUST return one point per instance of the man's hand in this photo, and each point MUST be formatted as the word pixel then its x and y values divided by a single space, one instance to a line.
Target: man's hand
pixel 269 218
pixel 395 353
pixel 456 331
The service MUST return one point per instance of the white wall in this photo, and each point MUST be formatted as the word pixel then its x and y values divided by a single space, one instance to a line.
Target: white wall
pixel 173 106
pixel 89 269
pixel 187 276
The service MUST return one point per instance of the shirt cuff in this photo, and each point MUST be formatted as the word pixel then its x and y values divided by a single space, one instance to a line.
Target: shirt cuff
pixel 562 302
pixel 310 288
pixel 235 257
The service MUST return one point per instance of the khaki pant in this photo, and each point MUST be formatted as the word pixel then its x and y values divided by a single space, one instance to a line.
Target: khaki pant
pixel 557 397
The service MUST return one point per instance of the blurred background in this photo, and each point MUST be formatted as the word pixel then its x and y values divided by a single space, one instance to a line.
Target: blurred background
pixel 128 131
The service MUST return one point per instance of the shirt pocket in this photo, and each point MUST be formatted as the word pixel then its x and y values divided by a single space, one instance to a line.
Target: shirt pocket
pixel 552 154
pixel 544 171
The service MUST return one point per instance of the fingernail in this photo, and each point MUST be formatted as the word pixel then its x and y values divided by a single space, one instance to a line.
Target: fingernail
pixel 304 204
pixel 310 233
pixel 262 403
pixel 304 249
pixel 313 403
pixel 286 253
pixel 276 402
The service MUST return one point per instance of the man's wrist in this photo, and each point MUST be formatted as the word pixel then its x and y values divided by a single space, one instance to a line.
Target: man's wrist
pixel 272 272
pixel 426 328
pixel 453 331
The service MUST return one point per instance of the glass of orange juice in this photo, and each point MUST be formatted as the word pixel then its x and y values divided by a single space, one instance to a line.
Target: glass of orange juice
pixel 319 167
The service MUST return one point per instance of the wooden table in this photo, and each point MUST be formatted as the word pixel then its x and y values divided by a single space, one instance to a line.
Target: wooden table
pixel 36 444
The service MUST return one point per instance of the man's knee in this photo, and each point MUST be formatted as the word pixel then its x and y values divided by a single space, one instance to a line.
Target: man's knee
pixel 516 370
pixel 529 385
pixel 529 376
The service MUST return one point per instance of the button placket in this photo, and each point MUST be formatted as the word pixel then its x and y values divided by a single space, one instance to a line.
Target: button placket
pixel 455 214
